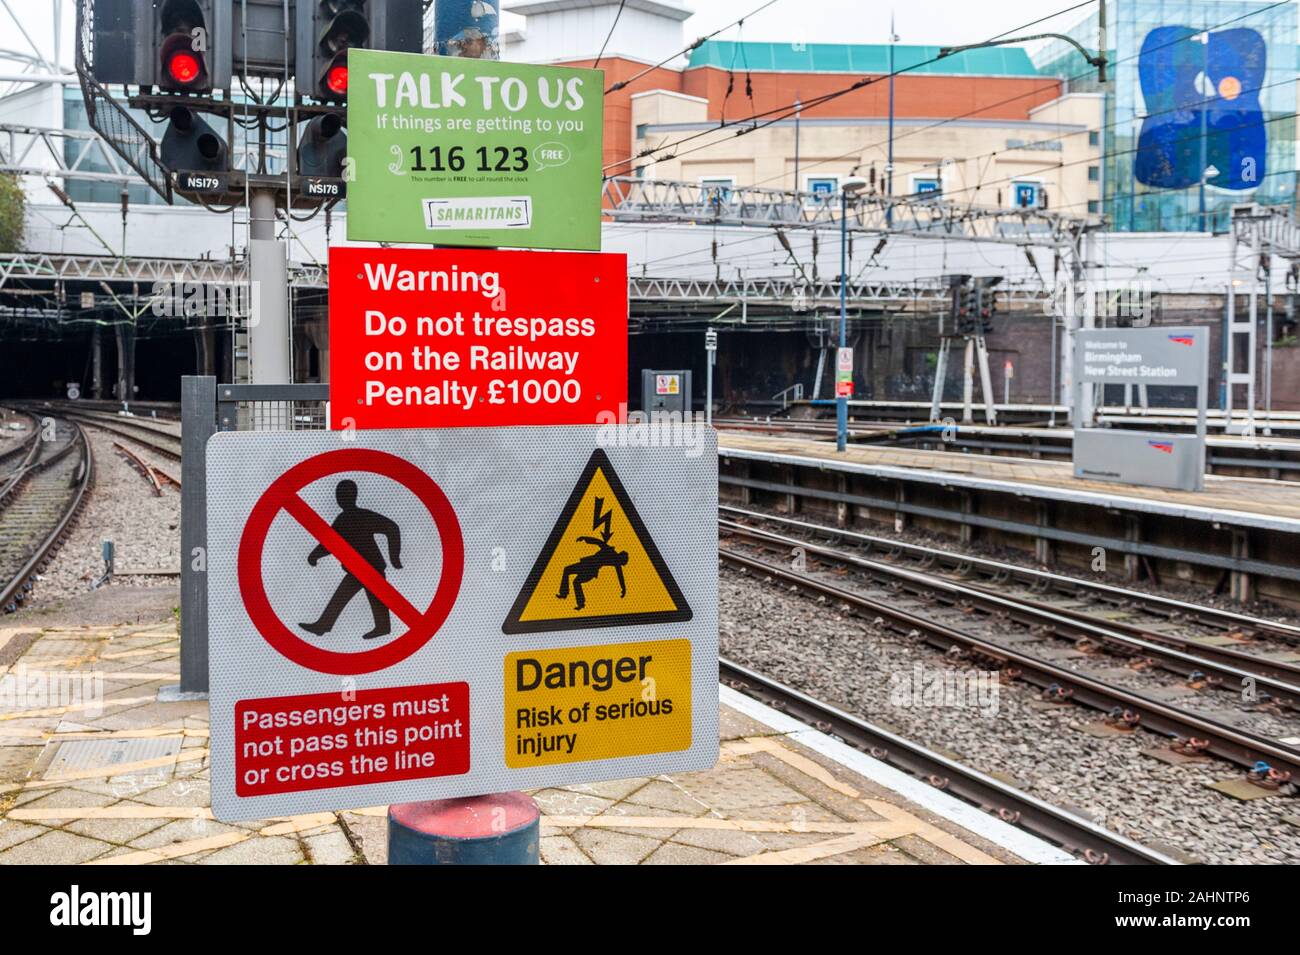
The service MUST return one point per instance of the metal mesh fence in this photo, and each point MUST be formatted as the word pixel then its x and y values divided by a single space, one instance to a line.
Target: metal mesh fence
pixel 278 416
pixel 109 118
pixel 272 407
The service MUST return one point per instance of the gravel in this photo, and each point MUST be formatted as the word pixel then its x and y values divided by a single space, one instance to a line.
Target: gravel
pixel 1223 702
pixel 145 530
pixel 814 646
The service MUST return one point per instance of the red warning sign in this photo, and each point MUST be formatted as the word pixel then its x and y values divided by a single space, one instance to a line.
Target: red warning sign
pixel 287 744
pixel 439 338
pixel 283 496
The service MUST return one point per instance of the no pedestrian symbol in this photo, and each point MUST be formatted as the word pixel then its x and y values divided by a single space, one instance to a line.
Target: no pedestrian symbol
pixel 351 539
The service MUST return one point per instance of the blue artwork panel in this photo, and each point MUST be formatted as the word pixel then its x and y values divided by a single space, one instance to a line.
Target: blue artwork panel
pixel 1189 87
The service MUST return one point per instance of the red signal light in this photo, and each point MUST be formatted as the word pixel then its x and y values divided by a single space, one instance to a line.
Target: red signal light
pixel 337 79
pixel 184 67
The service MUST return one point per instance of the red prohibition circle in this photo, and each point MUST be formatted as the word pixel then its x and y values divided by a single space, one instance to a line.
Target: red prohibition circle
pixel 253 541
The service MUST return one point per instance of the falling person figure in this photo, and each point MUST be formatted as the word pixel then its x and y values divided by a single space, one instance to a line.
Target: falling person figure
pixel 586 569
pixel 358 527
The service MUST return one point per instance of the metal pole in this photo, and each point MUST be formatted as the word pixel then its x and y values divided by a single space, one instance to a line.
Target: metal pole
pixel 889 156
pixel 198 423
pixel 492 829
pixel 710 358
pixel 1268 344
pixel 968 383
pixel 1053 397
pixel 1205 78
pixel 842 402
pixel 797 110
pixel 709 393
pixel 268 326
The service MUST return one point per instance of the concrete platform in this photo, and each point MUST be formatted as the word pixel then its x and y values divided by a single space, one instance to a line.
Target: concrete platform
pixel 127 783
pixel 918 412
pixel 1238 442
pixel 1247 502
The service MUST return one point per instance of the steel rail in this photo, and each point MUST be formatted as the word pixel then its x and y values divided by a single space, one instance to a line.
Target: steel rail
pixel 23 448
pixel 140 466
pixel 1174 609
pixel 1016 807
pixel 1226 742
pixel 30 448
pixel 119 428
pixel 85 476
pixel 1172 655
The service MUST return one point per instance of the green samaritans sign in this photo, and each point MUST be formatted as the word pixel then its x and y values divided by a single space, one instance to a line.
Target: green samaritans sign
pixel 473 152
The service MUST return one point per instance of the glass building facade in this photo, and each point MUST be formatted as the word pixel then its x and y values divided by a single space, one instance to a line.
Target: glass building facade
pixel 1199 109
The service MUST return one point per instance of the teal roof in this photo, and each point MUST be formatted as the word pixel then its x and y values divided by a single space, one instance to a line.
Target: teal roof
pixel 860 58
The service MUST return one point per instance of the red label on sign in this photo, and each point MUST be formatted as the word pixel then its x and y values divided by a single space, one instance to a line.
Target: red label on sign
pixel 288 744
pixel 438 338
pixel 843 389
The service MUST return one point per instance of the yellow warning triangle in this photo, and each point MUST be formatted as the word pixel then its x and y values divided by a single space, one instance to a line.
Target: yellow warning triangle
pixel 599 567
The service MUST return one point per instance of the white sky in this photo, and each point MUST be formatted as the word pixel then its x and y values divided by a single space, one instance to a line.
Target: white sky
pixel 867 21
pixel 808 21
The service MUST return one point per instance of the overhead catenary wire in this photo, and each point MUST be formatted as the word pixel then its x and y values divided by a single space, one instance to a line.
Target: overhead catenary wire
pixel 1019 96
pixel 696 44
pixel 617 16
pixel 1089 159
pixel 789 109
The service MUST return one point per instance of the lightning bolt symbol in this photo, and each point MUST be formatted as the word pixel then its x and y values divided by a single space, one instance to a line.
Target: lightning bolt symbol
pixel 602 519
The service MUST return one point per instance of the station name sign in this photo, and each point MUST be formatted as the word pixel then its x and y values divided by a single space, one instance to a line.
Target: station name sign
pixel 1157 356
pixel 471 152
pixel 1165 356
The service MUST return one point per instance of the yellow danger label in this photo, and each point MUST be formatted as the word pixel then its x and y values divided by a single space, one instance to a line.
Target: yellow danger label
pixel 599 567
pixel 589 703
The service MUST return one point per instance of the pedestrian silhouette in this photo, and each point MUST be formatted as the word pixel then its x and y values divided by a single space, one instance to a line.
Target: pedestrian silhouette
pixel 358 527
pixel 588 568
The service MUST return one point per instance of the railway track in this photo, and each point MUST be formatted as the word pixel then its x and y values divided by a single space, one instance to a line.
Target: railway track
pixel 990 628
pixel 17 456
pixel 40 502
pixel 1090 842
pixel 156 438
pixel 1102 600
pixel 1182 655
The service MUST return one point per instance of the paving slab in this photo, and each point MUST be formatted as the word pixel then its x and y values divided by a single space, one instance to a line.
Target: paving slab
pixel 772 798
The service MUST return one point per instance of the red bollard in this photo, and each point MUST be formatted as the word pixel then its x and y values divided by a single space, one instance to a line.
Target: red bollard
pixel 501 829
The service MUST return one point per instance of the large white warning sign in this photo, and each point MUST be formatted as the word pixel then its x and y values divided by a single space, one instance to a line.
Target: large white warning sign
pixel 408 615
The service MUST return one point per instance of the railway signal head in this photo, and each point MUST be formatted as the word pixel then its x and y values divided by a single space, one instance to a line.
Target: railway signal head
pixel 183 32
pixel 328 29
pixel 345 28
pixel 323 147
pixel 191 145
pixel 967 310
